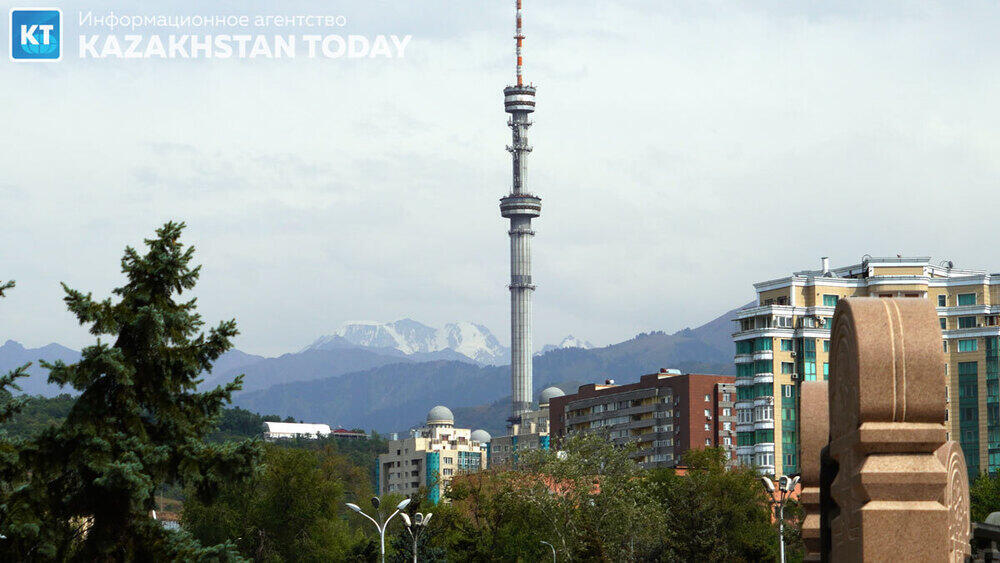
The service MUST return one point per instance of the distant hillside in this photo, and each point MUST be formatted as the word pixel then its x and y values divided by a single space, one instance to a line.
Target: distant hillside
pixel 303 366
pixel 13 355
pixel 397 396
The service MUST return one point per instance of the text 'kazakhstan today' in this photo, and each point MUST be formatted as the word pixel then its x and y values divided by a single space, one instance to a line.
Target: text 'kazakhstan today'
pixel 242 46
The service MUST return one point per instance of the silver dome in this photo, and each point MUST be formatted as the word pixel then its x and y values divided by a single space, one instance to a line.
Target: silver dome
pixel 481 436
pixel 548 394
pixel 440 415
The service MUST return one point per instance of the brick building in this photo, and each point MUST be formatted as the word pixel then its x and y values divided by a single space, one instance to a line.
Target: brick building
pixel 665 413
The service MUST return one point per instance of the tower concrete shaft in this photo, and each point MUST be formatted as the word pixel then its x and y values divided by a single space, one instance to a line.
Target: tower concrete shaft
pixel 520 206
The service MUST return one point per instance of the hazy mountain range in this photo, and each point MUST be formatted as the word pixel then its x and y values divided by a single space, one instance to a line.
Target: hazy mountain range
pixel 386 376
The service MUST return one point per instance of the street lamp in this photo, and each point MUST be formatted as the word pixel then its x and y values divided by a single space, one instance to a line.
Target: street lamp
pixel 420 522
pixel 786 485
pixel 381 527
pixel 552 547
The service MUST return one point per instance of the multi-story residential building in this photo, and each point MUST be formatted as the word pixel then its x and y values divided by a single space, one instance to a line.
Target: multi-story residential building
pixel 529 432
pixel 784 338
pixel 665 413
pixel 431 456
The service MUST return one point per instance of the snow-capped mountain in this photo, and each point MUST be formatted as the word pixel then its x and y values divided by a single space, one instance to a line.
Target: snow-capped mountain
pixel 410 337
pixel 568 342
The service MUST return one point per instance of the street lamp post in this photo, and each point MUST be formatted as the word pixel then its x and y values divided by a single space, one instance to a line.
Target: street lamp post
pixel 420 522
pixel 786 485
pixel 381 527
pixel 553 548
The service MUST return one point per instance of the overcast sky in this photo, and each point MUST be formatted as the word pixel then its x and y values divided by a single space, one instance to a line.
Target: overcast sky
pixel 683 151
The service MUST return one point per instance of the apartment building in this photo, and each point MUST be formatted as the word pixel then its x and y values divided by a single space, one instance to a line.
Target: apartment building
pixel 431 456
pixel 784 338
pixel 529 431
pixel 665 414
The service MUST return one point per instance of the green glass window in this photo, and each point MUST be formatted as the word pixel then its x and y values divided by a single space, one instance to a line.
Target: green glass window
pixel 764 436
pixel 944 323
pixel 744 346
pixel 787 368
pixel 966 322
pixel 942 300
pixel 826 370
pixel 968 345
pixel 744 370
pixel 762 344
pixel 830 300
pixel 968 368
pixel 786 345
pixel 826 346
pixel 967 299
pixel 763 366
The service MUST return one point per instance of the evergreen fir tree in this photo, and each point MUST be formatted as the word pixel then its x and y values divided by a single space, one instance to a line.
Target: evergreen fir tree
pixel 85 490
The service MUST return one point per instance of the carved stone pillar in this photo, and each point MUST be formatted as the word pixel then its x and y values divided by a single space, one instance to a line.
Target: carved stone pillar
pixel 897 494
pixel 814 433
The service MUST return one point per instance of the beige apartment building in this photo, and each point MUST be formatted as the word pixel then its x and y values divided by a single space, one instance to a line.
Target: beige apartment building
pixel 431 456
pixel 784 337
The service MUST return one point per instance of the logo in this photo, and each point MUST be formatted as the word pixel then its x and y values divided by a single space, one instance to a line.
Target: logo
pixel 35 34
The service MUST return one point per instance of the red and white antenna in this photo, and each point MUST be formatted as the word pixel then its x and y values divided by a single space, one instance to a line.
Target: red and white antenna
pixel 519 36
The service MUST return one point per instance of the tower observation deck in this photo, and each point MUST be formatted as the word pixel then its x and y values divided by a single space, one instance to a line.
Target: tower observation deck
pixel 520 207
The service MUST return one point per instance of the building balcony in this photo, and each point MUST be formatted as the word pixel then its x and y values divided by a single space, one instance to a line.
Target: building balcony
pixel 747 427
pixel 743 381
pixel 743 358
pixel 763 355
pixel 763 378
pixel 763 424
pixel 764 448
pixel 765 400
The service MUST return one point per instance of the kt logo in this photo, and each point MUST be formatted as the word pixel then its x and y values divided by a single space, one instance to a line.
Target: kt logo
pixel 35 34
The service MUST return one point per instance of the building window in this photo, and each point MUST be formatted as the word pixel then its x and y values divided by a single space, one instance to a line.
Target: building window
pixel 968 345
pixel 707 427
pixel 786 345
pixel 708 398
pixel 826 346
pixel 727 426
pixel 966 299
pixel 966 322
pixel 727 411
pixel 826 370
pixel 944 323
pixel 787 368
pixel 707 413
pixel 830 300
pixel 788 390
pixel 944 344
pixel 708 441
pixel 726 398
pixel 727 441
pixel 942 300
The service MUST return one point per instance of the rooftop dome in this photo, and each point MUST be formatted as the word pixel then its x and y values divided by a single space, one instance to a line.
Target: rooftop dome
pixel 993 518
pixel 548 393
pixel 440 415
pixel 481 435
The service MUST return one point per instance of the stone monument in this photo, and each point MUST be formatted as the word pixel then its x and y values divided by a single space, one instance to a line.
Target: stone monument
pixel 813 405
pixel 897 489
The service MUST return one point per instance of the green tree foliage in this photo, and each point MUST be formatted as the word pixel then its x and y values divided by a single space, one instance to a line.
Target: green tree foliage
pixel 717 514
pixel 84 489
pixel 291 510
pixel 37 413
pixel 984 496
pixel 590 501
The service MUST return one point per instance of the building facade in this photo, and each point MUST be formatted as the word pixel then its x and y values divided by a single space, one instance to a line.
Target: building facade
pixel 665 414
pixel 431 456
pixel 784 338
pixel 529 432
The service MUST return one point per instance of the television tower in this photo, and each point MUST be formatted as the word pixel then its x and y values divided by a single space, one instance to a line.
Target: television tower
pixel 520 206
